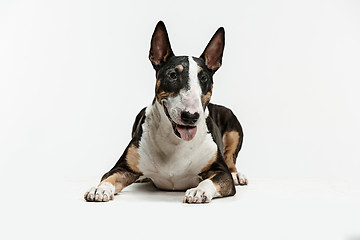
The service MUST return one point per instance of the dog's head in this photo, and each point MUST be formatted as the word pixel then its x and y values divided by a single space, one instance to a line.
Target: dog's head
pixel 184 84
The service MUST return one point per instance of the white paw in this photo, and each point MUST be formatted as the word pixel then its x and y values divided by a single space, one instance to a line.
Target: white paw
pixel 103 193
pixel 203 193
pixel 239 178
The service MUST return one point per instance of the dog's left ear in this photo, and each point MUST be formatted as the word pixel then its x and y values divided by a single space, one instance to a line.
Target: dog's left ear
pixel 213 52
pixel 160 49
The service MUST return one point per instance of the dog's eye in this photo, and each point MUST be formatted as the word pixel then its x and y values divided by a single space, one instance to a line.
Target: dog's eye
pixel 203 79
pixel 173 75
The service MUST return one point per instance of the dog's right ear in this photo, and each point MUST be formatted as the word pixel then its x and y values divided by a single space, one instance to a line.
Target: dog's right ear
pixel 160 49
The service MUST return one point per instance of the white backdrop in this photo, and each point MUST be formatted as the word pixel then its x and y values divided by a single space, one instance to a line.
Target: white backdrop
pixel 74 74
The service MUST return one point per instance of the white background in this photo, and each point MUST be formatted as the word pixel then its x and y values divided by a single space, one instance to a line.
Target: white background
pixel 74 74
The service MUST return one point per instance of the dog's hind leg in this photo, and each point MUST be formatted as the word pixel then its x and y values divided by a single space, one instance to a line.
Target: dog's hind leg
pixel 232 143
pixel 232 138
pixel 231 146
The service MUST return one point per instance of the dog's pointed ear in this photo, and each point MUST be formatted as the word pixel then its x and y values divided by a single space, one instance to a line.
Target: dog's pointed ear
pixel 160 49
pixel 213 52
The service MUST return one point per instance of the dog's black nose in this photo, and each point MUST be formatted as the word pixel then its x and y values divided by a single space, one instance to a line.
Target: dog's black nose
pixel 189 118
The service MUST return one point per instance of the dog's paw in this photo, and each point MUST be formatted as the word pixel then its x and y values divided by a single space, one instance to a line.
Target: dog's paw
pixel 201 194
pixel 103 193
pixel 239 178
pixel 195 195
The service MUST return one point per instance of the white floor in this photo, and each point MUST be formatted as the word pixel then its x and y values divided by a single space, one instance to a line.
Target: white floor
pixel 265 209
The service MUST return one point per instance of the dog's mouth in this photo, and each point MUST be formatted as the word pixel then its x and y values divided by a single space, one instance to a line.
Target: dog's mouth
pixel 185 132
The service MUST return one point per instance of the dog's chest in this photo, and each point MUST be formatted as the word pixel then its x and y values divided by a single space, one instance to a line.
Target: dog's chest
pixel 173 164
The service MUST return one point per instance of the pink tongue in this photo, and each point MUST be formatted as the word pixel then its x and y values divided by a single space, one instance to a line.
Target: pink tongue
pixel 186 133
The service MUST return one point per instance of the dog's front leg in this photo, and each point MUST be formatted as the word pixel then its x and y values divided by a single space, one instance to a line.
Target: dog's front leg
pixel 121 175
pixel 217 183
pixel 112 182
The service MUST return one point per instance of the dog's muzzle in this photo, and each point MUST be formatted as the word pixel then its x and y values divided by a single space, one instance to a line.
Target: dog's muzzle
pixel 185 132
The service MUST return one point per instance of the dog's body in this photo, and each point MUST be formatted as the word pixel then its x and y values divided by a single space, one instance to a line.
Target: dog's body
pixel 181 141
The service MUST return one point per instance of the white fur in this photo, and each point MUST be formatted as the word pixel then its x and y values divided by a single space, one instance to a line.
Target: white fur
pixel 194 94
pixel 204 192
pixel 239 178
pixel 103 193
pixel 170 162
pixel 188 99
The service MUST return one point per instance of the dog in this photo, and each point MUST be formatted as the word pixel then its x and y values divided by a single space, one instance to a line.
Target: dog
pixel 181 141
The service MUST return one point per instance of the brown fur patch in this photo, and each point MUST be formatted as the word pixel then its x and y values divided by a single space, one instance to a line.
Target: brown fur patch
pixel 205 99
pixel 132 158
pixel 231 141
pixel 115 180
pixel 157 85
pixel 199 69
pixel 211 161
pixel 180 67
pixel 120 180
pixel 162 95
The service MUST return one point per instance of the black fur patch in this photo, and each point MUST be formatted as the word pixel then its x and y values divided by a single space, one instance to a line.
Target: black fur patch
pixel 226 121
pixel 137 126
pixel 171 78
pixel 205 76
